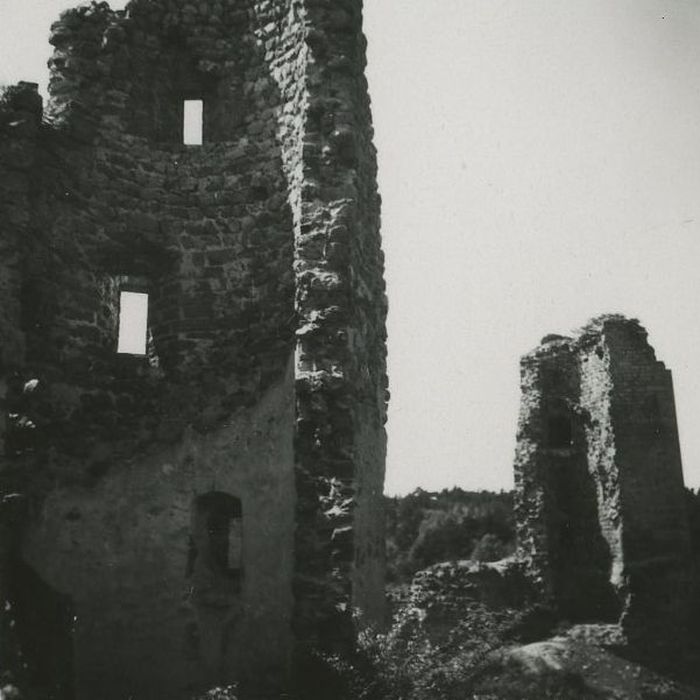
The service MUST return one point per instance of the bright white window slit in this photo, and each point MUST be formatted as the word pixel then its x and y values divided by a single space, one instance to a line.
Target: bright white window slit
pixel 192 122
pixel 133 323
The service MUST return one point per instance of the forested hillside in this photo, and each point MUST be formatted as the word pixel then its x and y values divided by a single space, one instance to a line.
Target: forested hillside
pixel 425 528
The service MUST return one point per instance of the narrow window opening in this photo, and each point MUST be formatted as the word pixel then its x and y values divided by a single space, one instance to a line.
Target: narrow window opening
pixel 218 533
pixel 133 323
pixel 215 570
pixel 218 527
pixel 193 122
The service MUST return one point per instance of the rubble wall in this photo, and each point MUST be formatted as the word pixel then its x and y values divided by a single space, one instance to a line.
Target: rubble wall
pixel 557 505
pixel 655 536
pixel 260 245
pixel 602 521
pixel 20 123
pixel 341 369
pixel 596 406
pixel 123 551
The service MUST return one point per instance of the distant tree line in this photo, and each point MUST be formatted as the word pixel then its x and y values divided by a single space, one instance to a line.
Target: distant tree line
pixel 425 528
pixel 428 527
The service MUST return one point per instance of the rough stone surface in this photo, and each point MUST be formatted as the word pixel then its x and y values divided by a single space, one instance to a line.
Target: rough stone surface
pixel 265 376
pixel 599 486
pixel 601 674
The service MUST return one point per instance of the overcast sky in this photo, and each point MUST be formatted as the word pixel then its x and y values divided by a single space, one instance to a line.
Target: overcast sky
pixel 539 165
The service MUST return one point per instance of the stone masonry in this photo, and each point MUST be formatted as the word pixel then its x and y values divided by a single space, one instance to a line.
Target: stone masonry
pixel 208 510
pixel 599 487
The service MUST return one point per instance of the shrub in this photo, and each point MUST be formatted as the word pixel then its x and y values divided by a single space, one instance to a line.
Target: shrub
pixel 491 548
pixel 230 692
pixel 448 655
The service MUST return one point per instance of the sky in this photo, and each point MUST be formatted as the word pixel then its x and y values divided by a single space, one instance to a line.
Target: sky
pixel 539 164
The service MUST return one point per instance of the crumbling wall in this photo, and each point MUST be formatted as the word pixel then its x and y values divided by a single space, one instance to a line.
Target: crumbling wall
pixel 596 404
pixel 655 534
pixel 123 548
pixel 207 231
pixel 601 520
pixel 557 507
pixel 260 245
pixel 207 228
pixel 20 123
pixel 341 370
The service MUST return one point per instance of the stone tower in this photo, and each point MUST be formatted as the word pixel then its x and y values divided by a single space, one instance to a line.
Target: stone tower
pixel 208 501
pixel 599 487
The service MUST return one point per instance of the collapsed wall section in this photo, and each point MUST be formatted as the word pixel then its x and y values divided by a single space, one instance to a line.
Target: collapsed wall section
pixel 655 532
pixel 20 124
pixel 206 229
pixel 557 506
pixel 173 590
pixel 114 201
pixel 341 367
pixel 600 512
pixel 259 245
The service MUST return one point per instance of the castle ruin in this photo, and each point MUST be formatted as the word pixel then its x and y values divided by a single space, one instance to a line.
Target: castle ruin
pixel 600 506
pixel 196 507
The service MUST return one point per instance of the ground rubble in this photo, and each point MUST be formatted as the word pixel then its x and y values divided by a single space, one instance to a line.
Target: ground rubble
pixel 588 651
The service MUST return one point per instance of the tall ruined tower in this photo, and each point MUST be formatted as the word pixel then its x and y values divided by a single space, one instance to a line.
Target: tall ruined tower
pixel 599 487
pixel 209 502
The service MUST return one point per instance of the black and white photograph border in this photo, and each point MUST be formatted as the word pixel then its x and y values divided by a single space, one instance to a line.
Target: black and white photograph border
pixel 348 349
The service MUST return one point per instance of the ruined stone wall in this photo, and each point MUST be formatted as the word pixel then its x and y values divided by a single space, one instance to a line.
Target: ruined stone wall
pixel 596 406
pixel 557 505
pixel 144 625
pixel 259 246
pixel 655 534
pixel 20 122
pixel 341 355
pixel 207 231
pixel 207 228
pixel 618 547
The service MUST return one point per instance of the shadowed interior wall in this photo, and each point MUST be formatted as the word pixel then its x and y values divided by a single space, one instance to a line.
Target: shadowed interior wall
pixel 147 623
